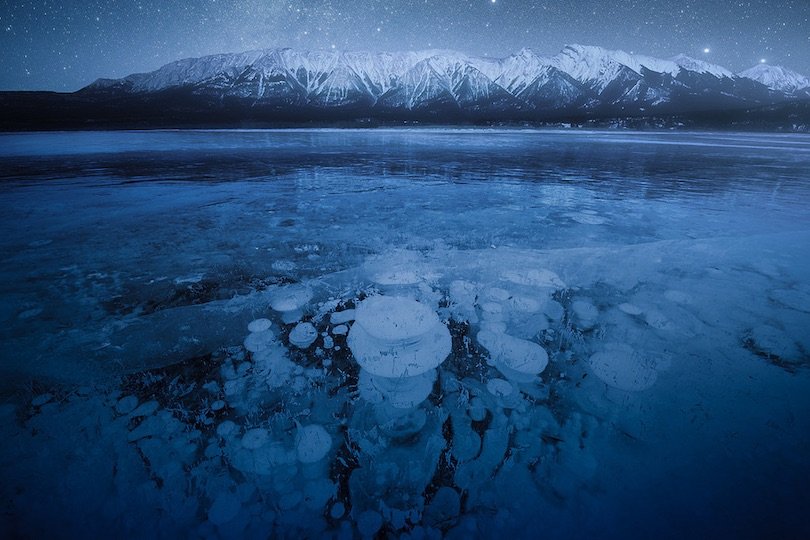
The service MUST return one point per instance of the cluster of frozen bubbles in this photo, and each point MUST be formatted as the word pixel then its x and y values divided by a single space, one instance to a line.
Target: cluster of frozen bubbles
pixel 403 405
pixel 383 437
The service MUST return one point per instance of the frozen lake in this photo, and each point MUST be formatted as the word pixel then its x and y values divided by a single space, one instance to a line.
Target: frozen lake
pixel 453 333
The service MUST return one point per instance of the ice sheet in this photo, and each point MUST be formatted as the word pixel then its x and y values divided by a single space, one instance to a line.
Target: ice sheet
pixel 178 312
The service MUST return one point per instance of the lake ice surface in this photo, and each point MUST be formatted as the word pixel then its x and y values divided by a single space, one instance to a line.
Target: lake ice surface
pixel 561 334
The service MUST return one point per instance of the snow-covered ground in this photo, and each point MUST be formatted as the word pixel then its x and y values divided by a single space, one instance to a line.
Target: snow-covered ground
pixel 404 334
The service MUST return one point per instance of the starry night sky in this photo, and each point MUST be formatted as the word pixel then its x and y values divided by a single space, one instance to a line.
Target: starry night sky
pixel 64 45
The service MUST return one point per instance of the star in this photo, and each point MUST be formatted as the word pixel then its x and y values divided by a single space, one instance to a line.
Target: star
pixel 159 31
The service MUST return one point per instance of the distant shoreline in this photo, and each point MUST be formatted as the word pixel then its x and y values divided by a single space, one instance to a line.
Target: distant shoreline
pixel 51 111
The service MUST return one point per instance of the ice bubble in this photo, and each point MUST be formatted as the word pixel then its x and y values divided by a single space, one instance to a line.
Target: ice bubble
pixel 399 424
pixel 496 294
pixel 152 427
pixel 145 409
pixel 398 337
pixel 463 297
pixel 259 341
pixel 318 492
pixel 398 269
pixel 226 506
pixel 255 438
pixel 499 387
pixel 212 450
pixel 337 511
pixel 226 428
pixel 303 335
pixel 263 460
pixel 328 342
pixel 290 298
pixel 369 522
pixel 218 405
pixel 491 309
pixel 621 367
pixel 340 330
pixel 259 325
pixel 395 318
pixel 340 317
pixel 524 304
pixel 290 301
pixel 399 392
pixel 477 410
pixel 498 327
pixel 516 358
pixel 554 310
pixel 466 442
pixel 462 291
pixel 312 443
pixel 535 278
pixel 630 309
pixel 586 313
pixel 126 404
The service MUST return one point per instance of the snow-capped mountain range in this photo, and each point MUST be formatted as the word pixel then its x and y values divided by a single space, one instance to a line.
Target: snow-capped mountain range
pixel 580 81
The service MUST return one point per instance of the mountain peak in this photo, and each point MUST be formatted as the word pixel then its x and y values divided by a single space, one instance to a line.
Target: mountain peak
pixel 777 78
pixel 598 67
pixel 525 52
pixel 701 66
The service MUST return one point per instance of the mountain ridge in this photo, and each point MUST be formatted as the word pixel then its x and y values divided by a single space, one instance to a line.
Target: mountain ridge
pixel 280 85
pixel 580 76
pixel 582 56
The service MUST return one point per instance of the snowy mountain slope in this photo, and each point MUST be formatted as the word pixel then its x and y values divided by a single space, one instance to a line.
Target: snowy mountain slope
pixel 193 71
pixel 598 68
pixel 419 87
pixel 777 78
pixel 580 79
pixel 699 66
